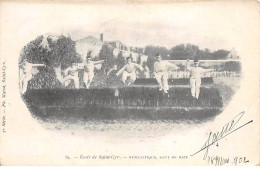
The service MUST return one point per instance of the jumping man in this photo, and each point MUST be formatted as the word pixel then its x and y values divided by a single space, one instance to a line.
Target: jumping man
pixel 129 70
pixel 89 70
pixel 27 70
pixel 72 74
pixel 161 73
pixel 195 77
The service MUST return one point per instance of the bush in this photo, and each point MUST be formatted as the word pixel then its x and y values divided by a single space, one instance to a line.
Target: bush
pixel 61 52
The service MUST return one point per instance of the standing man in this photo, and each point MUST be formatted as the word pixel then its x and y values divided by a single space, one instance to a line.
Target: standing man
pixel 27 70
pixel 195 77
pixel 161 73
pixel 129 70
pixel 88 67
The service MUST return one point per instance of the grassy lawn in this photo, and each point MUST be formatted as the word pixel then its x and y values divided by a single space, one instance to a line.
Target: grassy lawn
pixel 227 87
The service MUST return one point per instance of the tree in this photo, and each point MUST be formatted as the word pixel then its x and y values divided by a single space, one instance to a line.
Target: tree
pixel 184 52
pixel 206 54
pixel 232 66
pixel 220 54
pixel 191 51
pixel 106 54
pixel 61 51
pixel 178 52
pixel 151 52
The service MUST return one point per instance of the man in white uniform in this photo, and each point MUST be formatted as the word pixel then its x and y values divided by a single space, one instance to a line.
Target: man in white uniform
pixel 27 70
pixel 72 74
pixel 195 77
pixel 129 70
pixel 161 73
pixel 88 67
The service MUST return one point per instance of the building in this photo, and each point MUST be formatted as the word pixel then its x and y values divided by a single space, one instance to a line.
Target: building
pixel 89 43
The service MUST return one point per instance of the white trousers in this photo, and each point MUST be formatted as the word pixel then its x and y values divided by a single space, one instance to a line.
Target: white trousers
pixel 125 75
pixel 88 78
pixel 195 87
pixel 147 74
pixel 24 79
pixel 162 79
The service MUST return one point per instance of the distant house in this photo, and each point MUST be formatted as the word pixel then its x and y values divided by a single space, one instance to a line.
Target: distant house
pixel 232 55
pixel 117 44
pixel 93 44
pixel 89 43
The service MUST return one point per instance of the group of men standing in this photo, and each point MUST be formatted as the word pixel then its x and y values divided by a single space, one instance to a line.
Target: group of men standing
pixel 128 71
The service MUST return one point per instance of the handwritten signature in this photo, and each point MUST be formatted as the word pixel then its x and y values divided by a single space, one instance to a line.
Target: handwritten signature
pixel 227 129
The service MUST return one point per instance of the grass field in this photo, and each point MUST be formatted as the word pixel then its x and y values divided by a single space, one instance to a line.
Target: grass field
pixel 227 87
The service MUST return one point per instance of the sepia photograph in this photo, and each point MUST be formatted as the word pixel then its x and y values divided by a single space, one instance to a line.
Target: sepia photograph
pixel 87 79
pixel 130 83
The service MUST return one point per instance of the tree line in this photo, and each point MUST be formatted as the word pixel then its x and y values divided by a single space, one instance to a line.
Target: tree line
pixel 63 52
pixel 184 52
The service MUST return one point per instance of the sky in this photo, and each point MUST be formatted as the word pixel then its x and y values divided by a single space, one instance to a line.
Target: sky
pixel 209 24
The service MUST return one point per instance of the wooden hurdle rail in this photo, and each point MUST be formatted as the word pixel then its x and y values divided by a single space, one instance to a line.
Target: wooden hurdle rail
pixel 172 81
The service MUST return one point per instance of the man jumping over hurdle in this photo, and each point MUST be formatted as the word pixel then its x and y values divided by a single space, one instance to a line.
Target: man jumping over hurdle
pixel 72 73
pixel 195 77
pixel 89 70
pixel 161 73
pixel 27 71
pixel 129 70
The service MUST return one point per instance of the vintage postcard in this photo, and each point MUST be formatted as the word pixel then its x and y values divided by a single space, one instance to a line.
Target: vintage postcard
pixel 130 83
